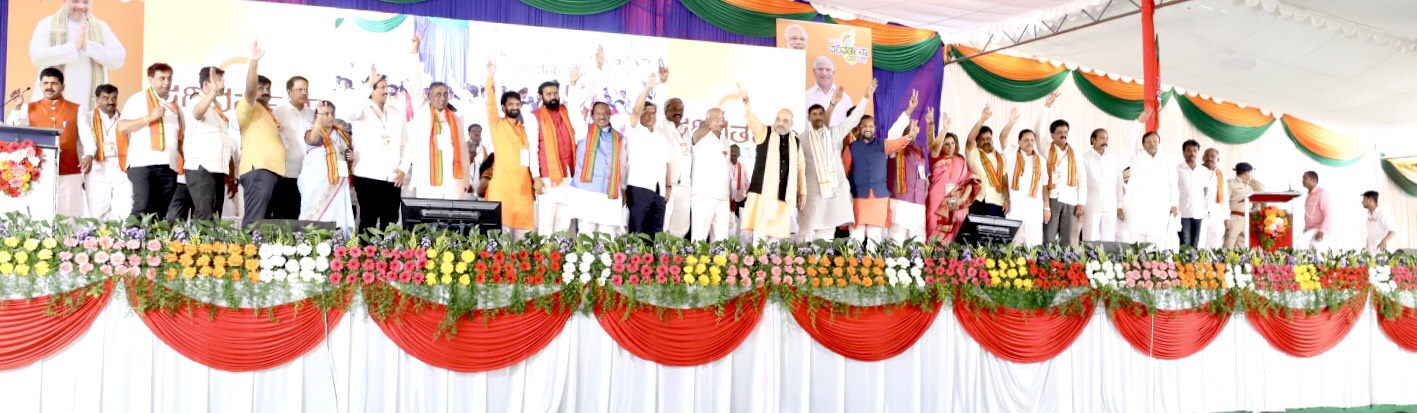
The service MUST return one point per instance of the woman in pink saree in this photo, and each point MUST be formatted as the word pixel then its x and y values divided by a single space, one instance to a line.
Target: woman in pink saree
pixel 952 186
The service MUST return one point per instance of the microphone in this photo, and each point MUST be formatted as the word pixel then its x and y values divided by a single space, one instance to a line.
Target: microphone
pixel 17 96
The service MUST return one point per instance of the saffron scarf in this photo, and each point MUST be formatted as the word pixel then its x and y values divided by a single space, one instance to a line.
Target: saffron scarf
pixel 331 159
pixel 1219 186
pixel 157 129
pixel 98 132
pixel 901 174
pixel 1053 164
pixel 994 173
pixel 1018 170
pixel 551 134
pixel 59 34
pixel 435 155
pixel 588 161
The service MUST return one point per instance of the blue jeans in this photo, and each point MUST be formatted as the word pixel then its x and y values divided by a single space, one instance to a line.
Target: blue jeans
pixel 1190 231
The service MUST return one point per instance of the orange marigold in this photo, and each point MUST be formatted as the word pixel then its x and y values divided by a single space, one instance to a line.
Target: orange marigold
pixel 251 250
pixel 840 282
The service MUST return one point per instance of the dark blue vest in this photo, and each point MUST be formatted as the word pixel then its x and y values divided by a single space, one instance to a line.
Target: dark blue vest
pixel 868 169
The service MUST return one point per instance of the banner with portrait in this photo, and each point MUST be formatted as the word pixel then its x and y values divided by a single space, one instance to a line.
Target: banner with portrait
pixel 837 57
pixel 92 41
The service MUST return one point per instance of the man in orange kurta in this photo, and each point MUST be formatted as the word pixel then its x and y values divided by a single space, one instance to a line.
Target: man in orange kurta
pixel 55 112
pixel 511 174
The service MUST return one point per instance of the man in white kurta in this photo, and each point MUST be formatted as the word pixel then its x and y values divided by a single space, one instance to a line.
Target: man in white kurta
pixel 294 119
pixel 79 44
pixel 826 89
pixel 597 192
pixel 1067 190
pixel 1025 175
pixel 1148 205
pixel 1193 182
pixel 106 188
pixel 828 191
pixel 678 209
pixel 208 147
pixel 1381 228
pixel 712 217
pixel 554 128
pixel 380 153
pixel 1103 171
pixel 437 150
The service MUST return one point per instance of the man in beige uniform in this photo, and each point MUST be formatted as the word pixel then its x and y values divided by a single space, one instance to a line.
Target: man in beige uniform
pixel 1241 186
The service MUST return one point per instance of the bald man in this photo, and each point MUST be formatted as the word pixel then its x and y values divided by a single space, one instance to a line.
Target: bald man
pixel 778 185
pixel 711 190
pixel 821 93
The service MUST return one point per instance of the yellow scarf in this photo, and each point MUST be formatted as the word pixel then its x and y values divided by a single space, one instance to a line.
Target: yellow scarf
pixel 1053 164
pixel 1018 170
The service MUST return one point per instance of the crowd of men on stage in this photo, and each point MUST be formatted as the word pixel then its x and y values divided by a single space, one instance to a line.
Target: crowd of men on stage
pixel 565 168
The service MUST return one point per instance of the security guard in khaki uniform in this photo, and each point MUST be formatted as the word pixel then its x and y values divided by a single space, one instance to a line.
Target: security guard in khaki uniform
pixel 1237 234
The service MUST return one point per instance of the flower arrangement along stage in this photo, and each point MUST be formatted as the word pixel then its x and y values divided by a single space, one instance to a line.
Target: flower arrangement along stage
pixel 165 267
pixel 20 164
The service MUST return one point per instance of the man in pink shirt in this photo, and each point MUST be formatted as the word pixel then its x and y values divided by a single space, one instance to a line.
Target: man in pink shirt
pixel 1316 222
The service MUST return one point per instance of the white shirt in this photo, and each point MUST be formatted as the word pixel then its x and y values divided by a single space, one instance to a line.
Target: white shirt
pixel 208 142
pixel 1192 183
pixel 1103 174
pixel 88 143
pixel 293 124
pixel 453 187
pixel 380 140
pixel 650 158
pixel 817 96
pixel 1150 194
pixel 140 151
pixel 681 147
pixel 76 64
pixel 711 167
pixel 1379 224
pixel 1064 193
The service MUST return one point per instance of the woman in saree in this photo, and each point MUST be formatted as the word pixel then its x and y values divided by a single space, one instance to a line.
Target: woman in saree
pixel 952 186
pixel 325 186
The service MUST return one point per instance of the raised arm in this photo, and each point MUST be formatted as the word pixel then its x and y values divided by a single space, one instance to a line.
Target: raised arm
pixel 492 97
pixel 640 101
pixel 755 125
pixel 252 79
pixel 1041 130
pixel 209 94
pixel 974 132
pixel 1006 134
pixel 905 139
pixel 937 136
pixel 854 119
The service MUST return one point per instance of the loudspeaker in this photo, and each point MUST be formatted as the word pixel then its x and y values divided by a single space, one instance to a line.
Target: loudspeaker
pixel 293 225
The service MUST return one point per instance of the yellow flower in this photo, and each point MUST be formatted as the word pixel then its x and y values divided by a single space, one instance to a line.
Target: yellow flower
pixel 703 280
pixel 994 280
pixel 1022 261
pixel 715 270
pixel 704 259
pixel 1028 284
pixel 447 256
pixel 50 243
pixel 4 256
pixel 429 265
pixel 41 268
pixel 691 260
pixel 688 269
pixel 467 256
pixel 22 269
pixel 447 279
pixel 446 268
pixel 189 272
pixel 1011 274
pixel 1018 283
pixel 31 244
pixel 720 260
pixel 688 278
pixel 990 263
pixel 1023 270
pixel 715 280
pixel 7 268
pixel 430 279
pixel 464 280
pixel 432 254
pixel 699 269
pixel 461 268
pixel 12 242
pixel 22 257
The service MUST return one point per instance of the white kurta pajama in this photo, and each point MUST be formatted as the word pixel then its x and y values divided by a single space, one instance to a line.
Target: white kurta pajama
pixel 595 210
pixel 555 206
pixel 1148 198
pixel 678 208
pixel 449 185
pixel 82 68
pixel 107 191
pixel 1103 172
pixel 1026 195
pixel 828 190
pixel 324 196
pixel 711 191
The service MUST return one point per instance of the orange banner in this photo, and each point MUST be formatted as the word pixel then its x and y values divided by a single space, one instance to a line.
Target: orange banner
pixel 838 56
pixel 113 45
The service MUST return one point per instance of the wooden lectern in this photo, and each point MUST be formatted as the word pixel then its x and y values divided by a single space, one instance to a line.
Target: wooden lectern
pixel 1283 220
pixel 40 202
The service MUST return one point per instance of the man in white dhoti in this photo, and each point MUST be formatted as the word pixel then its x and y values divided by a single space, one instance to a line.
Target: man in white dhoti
pixel 1103 171
pixel 553 153
pixel 829 200
pixel 711 191
pixel 437 149
pixel 54 111
pixel 105 158
pixel 1148 204
pixel 1027 189
pixel 324 178
pixel 826 89
pixel 80 45
pixel 597 191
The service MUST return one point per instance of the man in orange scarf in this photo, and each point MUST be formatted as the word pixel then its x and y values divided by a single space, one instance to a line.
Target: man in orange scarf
pixel 558 122
pixel 155 127
pixel 1067 180
pixel 55 112
pixel 106 186
pixel 511 182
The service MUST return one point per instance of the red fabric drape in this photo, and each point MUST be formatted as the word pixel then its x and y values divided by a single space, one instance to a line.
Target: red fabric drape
pixel 1401 330
pixel 480 344
pixel 1302 335
pixel 683 338
pixel 866 333
pixel 1167 334
pixel 1022 336
pixel 28 334
pixel 241 339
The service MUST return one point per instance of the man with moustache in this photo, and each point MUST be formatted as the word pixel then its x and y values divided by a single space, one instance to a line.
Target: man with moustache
pixel 1217 207
pixel 554 152
pixel 380 154
pixel 477 153
pixel 1149 201
pixel 437 149
pixel 105 163
pixel 511 182
pixel 1067 190
pixel 650 167
pixel 711 191
pixel 1103 172
pixel 263 158
pixel 988 168
pixel 294 119
pixel 1194 182
pixel 597 191
pixel 829 200
pixel 154 126
pixel 209 149
pixel 778 184
pixel 57 113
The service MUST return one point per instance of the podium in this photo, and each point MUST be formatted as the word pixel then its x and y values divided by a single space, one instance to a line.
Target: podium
pixel 1272 226
pixel 40 201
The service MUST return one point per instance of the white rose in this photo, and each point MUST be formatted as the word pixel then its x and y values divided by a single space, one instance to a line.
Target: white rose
pixel 277 275
pixel 585 266
pixel 918 262
pixel 322 264
pixel 567 276
pixel 605 258
pixel 890 272
pixel 587 256
pixel 572 258
pixel 916 271
pixel 585 278
pixel 308 275
pixel 266 251
pixel 323 249
pixel 287 250
pixel 292 266
pixel 604 275
pixel 307 263
pixel 304 249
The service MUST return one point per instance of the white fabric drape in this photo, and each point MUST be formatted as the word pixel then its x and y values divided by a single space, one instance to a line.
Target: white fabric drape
pixel 120 366
pixel 1278 163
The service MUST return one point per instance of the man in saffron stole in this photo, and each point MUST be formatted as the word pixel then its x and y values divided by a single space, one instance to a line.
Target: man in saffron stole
pixel 554 153
pixel 325 186
pixel 1028 189
pixel 987 166
pixel 437 149
pixel 1067 185
pixel 952 186
pixel 78 44
pixel 105 161
pixel 56 112
pixel 155 126
pixel 779 177
pixel 597 190
pixel 511 182
pixel 828 191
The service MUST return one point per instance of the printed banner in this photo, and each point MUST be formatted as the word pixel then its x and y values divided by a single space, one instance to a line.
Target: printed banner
pixel 837 56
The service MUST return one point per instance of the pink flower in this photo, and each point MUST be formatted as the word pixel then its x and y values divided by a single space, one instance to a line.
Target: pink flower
pixel 66 268
pixel 134 260
pixel 351 278
pixel 733 258
pixel 731 280
pixel 619 257
pixel 617 268
pixel 100 257
pixel 368 277
pixel 776 279
pixel 661 278
pixel 748 260
pixel 973 272
pixel 931 280
pixel 634 261
pixel 340 251
pixel 616 280
pixel 369 265
pixel 106 269
pixel 646 271
pixel 354 252
pixel 335 277
pixel 732 271
pixel 676 278
pixel 381 266
pixel 647 258
pixel 405 277
pixel 396 265
pixel 799 261
pixel 105 242
pixel 65 255
pixel 133 244
pixel 134 271
pixel 776 260
pixel 389 254
pixel 71 242
pixel 633 267
pixel 418 278
pixel 661 270
pixel 117 258
pixel 120 269
pixel 664 260
pixel 801 279
pixel 369 250
pixel 152 273
pixel 776 271
pixel 336 265
pixel 674 271
pixel 634 280
pixel 85 268
pixel 762 275
pixel 154 246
